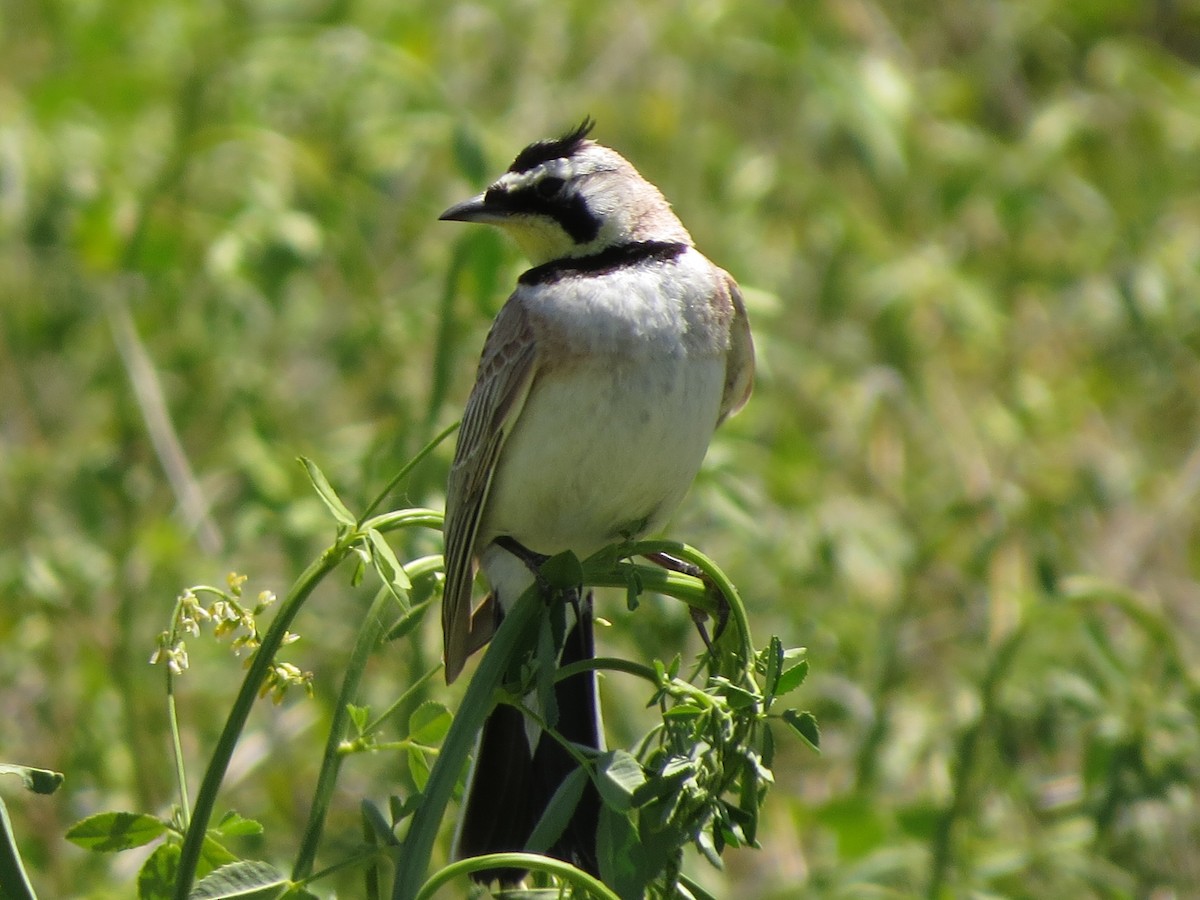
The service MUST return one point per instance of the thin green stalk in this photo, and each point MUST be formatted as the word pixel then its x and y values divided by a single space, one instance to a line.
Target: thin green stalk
pixel 372 877
pixel 181 784
pixel 737 609
pixel 607 664
pixel 413 859
pixel 185 809
pixel 404 518
pixel 401 701
pixel 356 860
pixel 331 762
pixel 684 588
pixel 406 468
pixel 694 888
pixel 368 639
pixel 659 581
pixel 260 666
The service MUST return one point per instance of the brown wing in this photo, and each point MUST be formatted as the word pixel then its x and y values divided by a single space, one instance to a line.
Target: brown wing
pixel 501 385
pixel 739 363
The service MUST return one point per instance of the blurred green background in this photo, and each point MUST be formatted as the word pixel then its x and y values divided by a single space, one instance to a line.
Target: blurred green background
pixel 969 235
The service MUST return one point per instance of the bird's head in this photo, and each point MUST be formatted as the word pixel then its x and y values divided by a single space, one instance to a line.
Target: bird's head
pixel 571 197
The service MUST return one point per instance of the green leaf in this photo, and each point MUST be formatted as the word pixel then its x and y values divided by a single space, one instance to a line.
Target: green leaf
pixel 617 846
pixel 214 855
pixel 234 825
pixel 755 770
pixel 418 767
pixel 360 716
pixel 706 843
pixel 156 878
pixel 631 856
pixel 549 644
pixel 243 880
pixel 659 798
pixel 386 563
pixel 40 781
pixel 749 800
pixel 674 667
pixel 376 828
pixel 408 621
pixel 563 571
pixel 112 832
pixel 792 678
pixel 736 696
pixel 633 588
pixel 619 775
pixel 772 662
pixel 400 809
pixel 767 751
pixel 429 723
pixel 805 725
pixel 558 812
pixel 685 710
pixel 327 494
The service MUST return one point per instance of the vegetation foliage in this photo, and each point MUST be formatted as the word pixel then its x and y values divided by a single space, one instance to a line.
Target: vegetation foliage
pixel 967 481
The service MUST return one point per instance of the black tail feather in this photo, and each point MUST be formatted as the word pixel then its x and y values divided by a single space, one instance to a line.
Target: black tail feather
pixel 510 787
pixel 578 723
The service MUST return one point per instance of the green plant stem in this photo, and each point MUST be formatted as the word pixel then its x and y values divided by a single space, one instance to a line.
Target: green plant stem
pixel 206 799
pixel 608 664
pixel 260 666
pixel 403 518
pixel 181 784
pixel 185 810
pixel 368 639
pixel 408 467
pixel 718 579
pixel 737 609
pixel 533 861
pixel 696 891
pixel 400 701
pixel 372 877
pixel 682 587
pixel 331 762
pixel 353 861
pixel 514 633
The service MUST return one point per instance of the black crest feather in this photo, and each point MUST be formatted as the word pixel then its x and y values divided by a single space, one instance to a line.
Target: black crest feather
pixel 555 148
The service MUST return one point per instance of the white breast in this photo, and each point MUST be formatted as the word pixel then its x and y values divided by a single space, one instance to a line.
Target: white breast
pixel 602 452
pixel 606 446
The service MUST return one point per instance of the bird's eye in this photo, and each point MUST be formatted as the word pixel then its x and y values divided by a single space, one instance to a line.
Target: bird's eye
pixel 549 187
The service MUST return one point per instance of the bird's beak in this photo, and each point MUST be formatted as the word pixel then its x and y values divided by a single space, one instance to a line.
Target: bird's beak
pixel 474 210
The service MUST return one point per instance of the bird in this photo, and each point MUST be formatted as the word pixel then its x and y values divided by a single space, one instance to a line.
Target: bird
pixel 600 385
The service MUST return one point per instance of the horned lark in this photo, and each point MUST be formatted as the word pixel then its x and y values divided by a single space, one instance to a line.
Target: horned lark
pixel 600 385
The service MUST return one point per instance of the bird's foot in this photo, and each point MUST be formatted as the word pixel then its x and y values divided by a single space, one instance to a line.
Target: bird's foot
pixel 699 616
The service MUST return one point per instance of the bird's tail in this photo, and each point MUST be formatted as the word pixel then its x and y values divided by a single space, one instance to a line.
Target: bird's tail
pixel 511 783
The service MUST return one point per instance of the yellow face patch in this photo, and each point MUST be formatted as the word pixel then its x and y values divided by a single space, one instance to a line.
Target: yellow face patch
pixel 540 240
